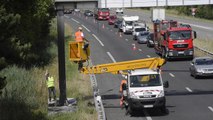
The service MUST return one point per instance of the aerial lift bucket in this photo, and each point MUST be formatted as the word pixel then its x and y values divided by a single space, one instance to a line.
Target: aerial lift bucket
pixel 79 52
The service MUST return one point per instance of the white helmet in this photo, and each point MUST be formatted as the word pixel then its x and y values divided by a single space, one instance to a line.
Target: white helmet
pixel 80 28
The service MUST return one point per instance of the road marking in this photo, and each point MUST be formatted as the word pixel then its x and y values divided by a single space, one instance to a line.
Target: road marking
pixel 66 16
pixel 126 39
pixel 112 58
pixel 75 20
pixel 171 75
pixel 148 56
pixel 139 49
pixel 97 39
pixel 199 26
pixel 86 28
pixel 188 89
pixel 147 115
pixel 210 108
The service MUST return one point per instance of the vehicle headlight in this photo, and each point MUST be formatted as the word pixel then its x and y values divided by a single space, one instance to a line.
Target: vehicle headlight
pixel 132 95
pixel 191 52
pixel 161 94
pixel 170 53
pixel 199 70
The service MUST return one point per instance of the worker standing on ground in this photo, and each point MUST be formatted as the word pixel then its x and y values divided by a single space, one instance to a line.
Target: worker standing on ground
pixel 123 92
pixel 50 84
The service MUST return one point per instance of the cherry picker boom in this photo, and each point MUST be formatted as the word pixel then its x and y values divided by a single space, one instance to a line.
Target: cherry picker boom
pixel 144 88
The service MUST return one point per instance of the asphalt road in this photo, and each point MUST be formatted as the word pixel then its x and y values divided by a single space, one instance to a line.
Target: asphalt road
pixel 187 98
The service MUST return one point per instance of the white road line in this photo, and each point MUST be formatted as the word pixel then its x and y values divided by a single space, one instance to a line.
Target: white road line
pixel 188 89
pixel 147 115
pixel 139 49
pixel 75 20
pixel 86 28
pixel 199 26
pixel 171 75
pixel 97 39
pixel 126 39
pixel 210 108
pixel 148 56
pixel 66 16
pixel 112 58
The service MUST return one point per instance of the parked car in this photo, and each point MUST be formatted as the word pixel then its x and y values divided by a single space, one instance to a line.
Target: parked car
pixel 201 66
pixel 88 13
pixel 150 40
pixel 142 37
pixel 112 19
pixel 119 10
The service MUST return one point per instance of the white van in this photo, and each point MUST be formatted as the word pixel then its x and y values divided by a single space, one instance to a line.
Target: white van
pixel 145 89
pixel 127 23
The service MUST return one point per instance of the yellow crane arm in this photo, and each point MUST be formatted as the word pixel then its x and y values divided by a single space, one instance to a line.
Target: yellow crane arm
pixel 115 68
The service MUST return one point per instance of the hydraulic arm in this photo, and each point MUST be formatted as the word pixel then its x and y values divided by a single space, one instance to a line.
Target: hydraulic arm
pixel 116 68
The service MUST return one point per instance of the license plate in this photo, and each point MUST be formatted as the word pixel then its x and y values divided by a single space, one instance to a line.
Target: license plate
pixel 181 52
pixel 148 106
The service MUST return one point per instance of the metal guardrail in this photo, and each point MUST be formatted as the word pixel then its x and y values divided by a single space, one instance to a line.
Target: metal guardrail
pixel 97 98
pixel 204 51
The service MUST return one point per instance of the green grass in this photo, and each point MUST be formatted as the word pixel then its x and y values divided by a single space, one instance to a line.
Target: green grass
pixel 25 95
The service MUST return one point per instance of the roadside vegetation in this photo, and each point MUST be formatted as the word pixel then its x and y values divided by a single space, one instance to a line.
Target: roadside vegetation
pixel 28 48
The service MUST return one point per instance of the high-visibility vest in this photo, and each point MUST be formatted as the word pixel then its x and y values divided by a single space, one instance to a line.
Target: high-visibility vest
pixel 50 82
pixel 78 36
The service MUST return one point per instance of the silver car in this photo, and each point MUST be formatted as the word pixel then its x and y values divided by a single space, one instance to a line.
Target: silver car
pixel 201 66
pixel 142 37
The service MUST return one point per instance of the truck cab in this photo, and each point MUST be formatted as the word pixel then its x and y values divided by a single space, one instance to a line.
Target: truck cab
pixel 173 40
pixel 145 89
pixel 127 23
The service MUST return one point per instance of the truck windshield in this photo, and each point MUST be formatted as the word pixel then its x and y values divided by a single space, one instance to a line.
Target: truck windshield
pixel 104 9
pixel 180 35
pixel 139 29
pixel 129 23
pixel 145 80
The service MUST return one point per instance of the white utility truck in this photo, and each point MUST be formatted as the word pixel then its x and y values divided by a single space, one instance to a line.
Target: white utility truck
pixel 127 23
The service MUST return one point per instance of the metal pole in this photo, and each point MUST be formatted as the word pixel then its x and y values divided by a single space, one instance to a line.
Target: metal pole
pixel 156 2
pixel 61 55
pixel 182 2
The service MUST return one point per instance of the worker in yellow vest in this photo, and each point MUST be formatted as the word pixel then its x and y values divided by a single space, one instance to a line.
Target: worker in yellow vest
pixel 50 85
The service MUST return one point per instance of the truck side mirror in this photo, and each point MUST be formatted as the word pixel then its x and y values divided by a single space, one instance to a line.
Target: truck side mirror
pixel 164 36
pixel 166 84
pixel 195 34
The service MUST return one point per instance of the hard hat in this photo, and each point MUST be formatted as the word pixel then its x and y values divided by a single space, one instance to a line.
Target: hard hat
pixel 80 28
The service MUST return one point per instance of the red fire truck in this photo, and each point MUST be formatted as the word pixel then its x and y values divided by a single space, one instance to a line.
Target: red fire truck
pixel 173 40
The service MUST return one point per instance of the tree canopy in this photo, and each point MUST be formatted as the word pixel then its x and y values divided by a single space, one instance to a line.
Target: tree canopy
pixel 24 32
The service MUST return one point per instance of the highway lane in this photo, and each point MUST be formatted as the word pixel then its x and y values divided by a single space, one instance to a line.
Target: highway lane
pixel 181 103
pixel 204 29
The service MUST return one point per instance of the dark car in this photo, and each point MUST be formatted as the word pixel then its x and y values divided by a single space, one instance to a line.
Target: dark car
pixel 112 19
pixel 88 13
pixel 142 37
pixel 68 11
pixel 150 40
pixel 117 23
pixel 201 66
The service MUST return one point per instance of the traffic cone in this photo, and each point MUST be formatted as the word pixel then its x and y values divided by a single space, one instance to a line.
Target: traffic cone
pixel 103 26
pixel 120 34
pixel 134 47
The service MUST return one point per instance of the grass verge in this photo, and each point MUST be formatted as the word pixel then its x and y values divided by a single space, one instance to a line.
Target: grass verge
pixel 25 95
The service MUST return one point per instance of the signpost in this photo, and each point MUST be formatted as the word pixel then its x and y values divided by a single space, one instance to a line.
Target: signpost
pixel 193 11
